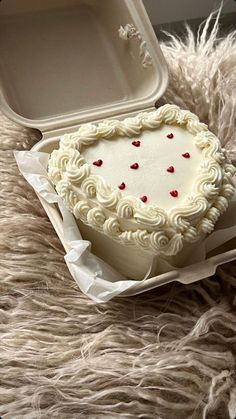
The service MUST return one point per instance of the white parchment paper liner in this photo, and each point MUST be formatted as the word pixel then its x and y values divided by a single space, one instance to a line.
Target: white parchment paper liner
pixel 96 278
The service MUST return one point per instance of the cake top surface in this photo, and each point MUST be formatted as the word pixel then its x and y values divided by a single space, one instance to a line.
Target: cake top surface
pixel 154 181
pixel 153 164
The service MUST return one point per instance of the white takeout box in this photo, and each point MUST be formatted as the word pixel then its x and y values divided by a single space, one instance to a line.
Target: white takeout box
pixel 63 64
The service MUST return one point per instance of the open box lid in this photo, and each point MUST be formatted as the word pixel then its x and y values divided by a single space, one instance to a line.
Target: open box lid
pixel 64 62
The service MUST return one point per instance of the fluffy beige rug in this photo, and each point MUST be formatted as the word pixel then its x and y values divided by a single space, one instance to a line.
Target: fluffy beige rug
pixel 169 353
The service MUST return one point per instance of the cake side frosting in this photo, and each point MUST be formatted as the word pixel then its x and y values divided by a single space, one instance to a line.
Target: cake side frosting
pixel 138 220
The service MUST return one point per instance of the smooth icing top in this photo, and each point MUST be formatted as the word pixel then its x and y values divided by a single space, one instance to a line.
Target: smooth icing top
pixel 161 165
pixel 156 180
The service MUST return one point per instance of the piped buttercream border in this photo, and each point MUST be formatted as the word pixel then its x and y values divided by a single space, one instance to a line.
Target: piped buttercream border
pixel 103 207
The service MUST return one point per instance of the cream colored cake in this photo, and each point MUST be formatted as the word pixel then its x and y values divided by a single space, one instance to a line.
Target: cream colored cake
pixel 156 181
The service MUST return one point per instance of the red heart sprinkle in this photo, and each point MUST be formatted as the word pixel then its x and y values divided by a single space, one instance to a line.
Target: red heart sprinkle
pixel 170 135
pixel 186 155
pixel 122 186
pixel 174 193
pixel 136 143
pixel 134 166
pixel 98 162
pixel 143 198
pixel 170 169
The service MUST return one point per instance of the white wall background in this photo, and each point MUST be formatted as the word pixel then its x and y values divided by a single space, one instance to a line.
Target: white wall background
pixel 165 11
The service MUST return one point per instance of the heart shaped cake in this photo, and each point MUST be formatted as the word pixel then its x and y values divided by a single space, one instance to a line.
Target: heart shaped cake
pixel 156 181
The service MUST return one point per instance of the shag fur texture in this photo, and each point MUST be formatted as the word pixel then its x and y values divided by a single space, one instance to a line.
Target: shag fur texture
pixel 169 353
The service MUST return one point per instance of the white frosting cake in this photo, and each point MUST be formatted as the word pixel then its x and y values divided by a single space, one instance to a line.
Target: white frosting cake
pixel 156 181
